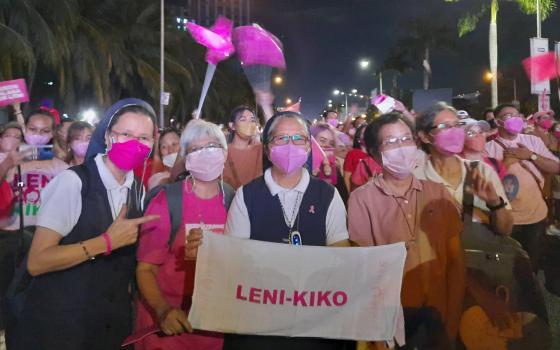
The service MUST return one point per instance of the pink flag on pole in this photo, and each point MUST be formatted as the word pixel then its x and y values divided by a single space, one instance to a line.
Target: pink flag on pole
pixel 541 67
pixel 317 155
pixel 217 39
pixel 12 91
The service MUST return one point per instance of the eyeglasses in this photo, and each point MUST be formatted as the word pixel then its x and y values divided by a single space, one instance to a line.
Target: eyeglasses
pixel 297 140
pixel 125 136
pixel 395 141
pixel 326 141
pixel 511 115
pixel 447 125
pixel 200 148
pixel 472 132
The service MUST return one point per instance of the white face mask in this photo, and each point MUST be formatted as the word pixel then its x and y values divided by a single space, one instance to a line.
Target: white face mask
pixel 169 160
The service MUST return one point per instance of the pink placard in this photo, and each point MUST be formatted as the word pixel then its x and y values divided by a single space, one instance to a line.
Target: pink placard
pixel 12 91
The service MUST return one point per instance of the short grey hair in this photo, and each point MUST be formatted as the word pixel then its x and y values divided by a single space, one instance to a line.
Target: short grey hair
pixel 425 120
pixel 198 129
pixel 285 115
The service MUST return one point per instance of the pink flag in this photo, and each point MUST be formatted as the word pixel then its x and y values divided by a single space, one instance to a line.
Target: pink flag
pixel 542 67
pixel 257 46
pixel 317 155
pixel 296 107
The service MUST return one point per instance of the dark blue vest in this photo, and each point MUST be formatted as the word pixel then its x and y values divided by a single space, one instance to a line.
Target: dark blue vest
pixel 268 224
pixel 267 219
pixel 87 306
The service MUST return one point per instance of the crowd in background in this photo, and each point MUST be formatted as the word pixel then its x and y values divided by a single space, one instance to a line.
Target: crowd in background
pixel 88 212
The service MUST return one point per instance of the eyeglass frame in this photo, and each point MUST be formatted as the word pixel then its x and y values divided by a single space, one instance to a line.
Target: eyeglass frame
pixel 290 138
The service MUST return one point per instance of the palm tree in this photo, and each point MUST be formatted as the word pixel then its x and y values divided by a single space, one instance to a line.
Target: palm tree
pixel 104 50
pixel 29 34
pixel 422 36
pixel 468 23
pixel 396 61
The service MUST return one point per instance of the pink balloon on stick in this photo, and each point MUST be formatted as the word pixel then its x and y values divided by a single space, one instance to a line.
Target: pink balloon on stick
pixel 257 46
pixel 218 41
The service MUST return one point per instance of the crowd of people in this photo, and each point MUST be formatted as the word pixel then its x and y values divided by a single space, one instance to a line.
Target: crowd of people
pixel 100 226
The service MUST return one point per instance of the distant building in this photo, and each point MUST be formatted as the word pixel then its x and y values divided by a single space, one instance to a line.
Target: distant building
pixel 205 12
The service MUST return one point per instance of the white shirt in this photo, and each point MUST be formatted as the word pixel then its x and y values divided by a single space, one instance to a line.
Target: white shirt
pixel 238 223
pixel 62 199
pixel 427 172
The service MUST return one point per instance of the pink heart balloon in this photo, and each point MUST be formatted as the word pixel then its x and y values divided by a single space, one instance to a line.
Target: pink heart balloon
pixel 217 39
pixel 256 46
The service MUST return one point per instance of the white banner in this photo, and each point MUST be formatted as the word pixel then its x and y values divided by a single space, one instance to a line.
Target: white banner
pixel 538 47
pixel 253 287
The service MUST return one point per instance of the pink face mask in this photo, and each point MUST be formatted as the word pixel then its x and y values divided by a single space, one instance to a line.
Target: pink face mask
pixel 288 158
pixel 36 140
pixel 333 122
pixel 545 124
pixel 400 162
pixel 128 155
pixel 206 164
pixel 80 148
pixel 475 143
pixel 514 125
pixel 450 141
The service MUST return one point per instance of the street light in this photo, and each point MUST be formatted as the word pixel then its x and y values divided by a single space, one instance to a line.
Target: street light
pixel 336 92
pixel 278 80
pixel 364 64
pixel 288 101
pixel 354 93
pixel 488 76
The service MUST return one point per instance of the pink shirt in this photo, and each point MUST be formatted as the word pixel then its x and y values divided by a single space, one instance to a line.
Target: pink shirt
pixel 528 207
pixel 175 276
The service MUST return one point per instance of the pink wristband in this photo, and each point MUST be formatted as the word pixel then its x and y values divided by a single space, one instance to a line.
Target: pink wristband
pixel 107 242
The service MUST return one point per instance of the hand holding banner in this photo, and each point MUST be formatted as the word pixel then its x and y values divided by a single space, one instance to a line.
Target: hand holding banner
pixel 254 287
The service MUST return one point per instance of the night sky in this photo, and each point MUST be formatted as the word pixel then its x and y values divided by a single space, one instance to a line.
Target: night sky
pixel 325 39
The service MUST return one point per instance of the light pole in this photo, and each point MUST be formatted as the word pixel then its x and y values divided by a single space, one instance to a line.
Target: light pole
pixel 162 64
pixel 353 93
pixel 364 65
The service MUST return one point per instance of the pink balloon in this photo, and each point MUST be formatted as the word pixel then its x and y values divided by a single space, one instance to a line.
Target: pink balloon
pixel 217 39
pixel 256 46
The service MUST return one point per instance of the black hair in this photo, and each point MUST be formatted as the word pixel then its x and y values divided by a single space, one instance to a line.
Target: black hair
pixel 502 106
pixel 357 143
pixel 486 111
pixel 329 111
pixel 268 128
pixel 371 135
pixel 44 113
pixel 73 132
pixel 131 109
pixel 238 110
pixel 11 125
pixel 165 132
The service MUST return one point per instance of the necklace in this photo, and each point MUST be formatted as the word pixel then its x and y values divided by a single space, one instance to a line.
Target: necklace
pixel 294 237
pixel 411 230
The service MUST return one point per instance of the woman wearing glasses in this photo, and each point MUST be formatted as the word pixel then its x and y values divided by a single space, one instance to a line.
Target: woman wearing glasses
pixel 82 257
pixel 398 207
pixel 442 135
pixel 285 205
pixel 165 278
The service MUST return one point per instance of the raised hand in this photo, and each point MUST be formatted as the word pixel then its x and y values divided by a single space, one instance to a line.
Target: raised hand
pixel 123 231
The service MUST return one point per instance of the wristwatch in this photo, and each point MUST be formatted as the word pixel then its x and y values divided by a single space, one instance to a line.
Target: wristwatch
pixel 500 205
pixel 534 157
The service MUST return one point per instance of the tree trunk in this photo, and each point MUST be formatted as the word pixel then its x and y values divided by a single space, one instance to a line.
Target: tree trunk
pixel 426 73
pixel 493 48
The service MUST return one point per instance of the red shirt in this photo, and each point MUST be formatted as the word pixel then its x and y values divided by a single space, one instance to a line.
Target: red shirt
pixel 353 159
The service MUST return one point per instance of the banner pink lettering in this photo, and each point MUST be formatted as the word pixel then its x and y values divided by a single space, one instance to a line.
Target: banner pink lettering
pixel 253 287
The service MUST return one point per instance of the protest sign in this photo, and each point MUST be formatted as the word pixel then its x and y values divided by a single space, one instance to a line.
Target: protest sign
pixel 12 91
